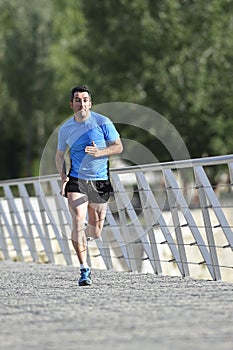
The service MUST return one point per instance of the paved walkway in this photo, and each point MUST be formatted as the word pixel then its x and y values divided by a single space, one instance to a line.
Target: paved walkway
pixel 43 308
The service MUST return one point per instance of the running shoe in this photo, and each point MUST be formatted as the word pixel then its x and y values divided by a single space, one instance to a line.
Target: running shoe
pixel 85 279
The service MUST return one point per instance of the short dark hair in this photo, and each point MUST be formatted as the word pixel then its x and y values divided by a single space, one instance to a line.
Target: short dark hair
pixel 79 89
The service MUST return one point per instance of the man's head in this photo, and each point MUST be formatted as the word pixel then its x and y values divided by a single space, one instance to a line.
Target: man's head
pixel 80 101
pixel 79 89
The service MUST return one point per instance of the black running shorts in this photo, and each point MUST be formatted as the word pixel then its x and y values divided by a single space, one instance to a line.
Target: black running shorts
pixel 97 191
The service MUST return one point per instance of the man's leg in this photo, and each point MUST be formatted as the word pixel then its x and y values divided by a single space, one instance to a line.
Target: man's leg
pixel 78 208
pixel 96 218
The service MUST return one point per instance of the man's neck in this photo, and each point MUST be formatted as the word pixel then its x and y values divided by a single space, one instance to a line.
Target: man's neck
pixel 81 118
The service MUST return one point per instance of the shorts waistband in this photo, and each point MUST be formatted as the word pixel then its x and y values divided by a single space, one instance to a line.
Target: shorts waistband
pixel 81 180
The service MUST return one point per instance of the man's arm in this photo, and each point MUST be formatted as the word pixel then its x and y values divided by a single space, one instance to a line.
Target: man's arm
pixel 61 165
pixel 115 147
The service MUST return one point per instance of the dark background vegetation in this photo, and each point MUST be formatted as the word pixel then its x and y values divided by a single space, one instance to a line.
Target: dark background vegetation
pixel 174 56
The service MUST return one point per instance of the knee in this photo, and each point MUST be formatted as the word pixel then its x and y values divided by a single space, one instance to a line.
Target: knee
pixel 93 231
pixel 78 222
pixel 97 233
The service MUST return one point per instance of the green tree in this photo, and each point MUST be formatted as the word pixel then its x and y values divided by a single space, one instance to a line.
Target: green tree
pixel 197 76
pixel 68 52
pixel 27 82
pixel 173 56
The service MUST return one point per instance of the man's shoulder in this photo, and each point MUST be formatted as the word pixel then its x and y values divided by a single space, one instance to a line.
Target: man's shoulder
pixel 67 123
pixel 100 118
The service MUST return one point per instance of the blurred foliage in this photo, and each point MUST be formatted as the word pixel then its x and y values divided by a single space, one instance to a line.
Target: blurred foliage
pixel 174 56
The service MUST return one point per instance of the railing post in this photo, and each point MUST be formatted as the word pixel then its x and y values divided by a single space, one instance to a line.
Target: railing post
pixel 207 222
pixel 177 226
pixel 150 220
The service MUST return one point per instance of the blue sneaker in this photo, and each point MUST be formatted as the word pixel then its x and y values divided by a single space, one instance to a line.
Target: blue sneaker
pixel 85 279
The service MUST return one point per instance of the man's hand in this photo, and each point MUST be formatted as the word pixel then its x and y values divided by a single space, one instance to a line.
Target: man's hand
pixel 114 148
pixel 93 150
pixel 63 185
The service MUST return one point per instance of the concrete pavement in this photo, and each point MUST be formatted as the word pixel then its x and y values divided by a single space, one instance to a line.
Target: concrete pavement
pixel 42 307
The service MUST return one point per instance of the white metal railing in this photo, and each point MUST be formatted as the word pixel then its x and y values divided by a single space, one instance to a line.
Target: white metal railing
pixel 164 218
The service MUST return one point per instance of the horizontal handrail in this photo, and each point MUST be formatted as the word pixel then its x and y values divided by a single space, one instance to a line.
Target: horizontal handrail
pixel 178 164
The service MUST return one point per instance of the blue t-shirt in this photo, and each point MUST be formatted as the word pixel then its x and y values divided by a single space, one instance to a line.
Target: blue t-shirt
pixel 77 135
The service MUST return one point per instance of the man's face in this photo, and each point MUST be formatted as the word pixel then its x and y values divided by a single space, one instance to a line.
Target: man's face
pixel 81 104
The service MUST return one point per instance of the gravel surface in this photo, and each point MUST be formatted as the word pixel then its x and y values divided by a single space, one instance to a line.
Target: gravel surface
pixel 43 307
